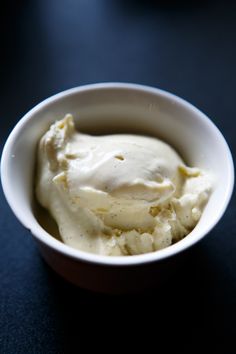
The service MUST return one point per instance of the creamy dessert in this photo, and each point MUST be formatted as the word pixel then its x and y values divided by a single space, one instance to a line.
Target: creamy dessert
pixel 117 194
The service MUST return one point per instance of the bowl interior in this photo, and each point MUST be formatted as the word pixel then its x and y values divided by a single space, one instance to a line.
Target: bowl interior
pixel 120 108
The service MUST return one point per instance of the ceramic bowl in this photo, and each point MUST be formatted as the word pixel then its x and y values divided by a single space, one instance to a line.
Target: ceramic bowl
pixel 109 108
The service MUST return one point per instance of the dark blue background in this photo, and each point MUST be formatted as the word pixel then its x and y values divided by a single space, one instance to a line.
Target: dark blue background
pixel 188 48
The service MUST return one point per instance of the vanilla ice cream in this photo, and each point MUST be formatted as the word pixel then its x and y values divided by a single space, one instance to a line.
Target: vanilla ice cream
pixel 117 194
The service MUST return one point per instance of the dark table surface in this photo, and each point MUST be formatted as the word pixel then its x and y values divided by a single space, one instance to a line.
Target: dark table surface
pixel 186 47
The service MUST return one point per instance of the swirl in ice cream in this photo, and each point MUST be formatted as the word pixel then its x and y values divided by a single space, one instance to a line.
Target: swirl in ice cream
pixel 117 194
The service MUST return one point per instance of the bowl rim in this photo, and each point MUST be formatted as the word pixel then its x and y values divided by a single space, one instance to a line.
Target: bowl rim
pixel 48 240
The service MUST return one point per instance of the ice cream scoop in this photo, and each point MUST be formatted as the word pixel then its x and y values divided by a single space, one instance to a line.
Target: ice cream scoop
pixel 117 194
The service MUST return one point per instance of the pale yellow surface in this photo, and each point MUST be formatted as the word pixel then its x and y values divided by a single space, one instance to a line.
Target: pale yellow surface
pixel 117 194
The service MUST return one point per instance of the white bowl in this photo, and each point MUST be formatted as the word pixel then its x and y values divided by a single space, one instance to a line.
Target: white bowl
pixel 117 107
